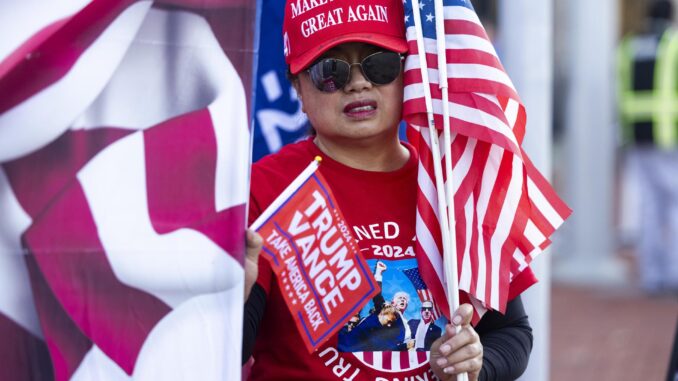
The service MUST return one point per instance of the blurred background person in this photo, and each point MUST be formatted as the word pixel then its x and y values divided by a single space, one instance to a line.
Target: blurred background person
pixel 648 108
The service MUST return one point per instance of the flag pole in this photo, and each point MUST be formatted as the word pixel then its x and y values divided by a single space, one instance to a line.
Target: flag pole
pixel 449 250
pixel 450 261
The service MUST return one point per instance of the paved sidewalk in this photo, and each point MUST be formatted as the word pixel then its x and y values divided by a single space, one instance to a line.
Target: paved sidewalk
pixel 615 335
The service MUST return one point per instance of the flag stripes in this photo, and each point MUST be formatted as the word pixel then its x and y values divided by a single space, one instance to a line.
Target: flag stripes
pixel 393 361
pixel 504 209
pixel 113 216
pixel 132 194
pixel 66 343
pixel 16 342
pixel 66 72
pixel 60 46
pixel 98 308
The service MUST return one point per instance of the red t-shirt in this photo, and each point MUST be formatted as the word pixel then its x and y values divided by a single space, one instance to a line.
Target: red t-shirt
pixel 380 208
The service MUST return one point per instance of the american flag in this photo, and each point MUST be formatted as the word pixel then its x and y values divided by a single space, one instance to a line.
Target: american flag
pixel 423 292
pixel 505 210
pixel 124 146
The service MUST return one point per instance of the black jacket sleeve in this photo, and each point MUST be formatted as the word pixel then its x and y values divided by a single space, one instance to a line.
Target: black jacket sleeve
pixel 254 312
pixel 507 342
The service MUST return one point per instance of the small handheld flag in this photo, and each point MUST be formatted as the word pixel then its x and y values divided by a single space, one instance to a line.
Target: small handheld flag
pixel 311 249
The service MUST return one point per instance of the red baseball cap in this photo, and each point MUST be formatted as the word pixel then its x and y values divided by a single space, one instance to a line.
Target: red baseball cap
pixel 313 26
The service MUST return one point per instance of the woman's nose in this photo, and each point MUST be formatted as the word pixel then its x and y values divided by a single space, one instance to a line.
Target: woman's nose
pixel 357 80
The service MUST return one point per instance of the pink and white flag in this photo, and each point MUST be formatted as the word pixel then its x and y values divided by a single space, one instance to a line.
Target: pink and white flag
pixel 124 154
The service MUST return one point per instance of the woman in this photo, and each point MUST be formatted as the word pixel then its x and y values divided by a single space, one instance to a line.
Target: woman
pixel 345 60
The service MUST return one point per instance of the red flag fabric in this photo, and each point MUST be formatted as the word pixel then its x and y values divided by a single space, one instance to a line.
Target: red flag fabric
pixel 504 208
pixel 123 181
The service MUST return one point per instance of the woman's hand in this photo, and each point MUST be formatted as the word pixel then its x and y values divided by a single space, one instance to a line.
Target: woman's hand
pixel 456 353
pixel 254 245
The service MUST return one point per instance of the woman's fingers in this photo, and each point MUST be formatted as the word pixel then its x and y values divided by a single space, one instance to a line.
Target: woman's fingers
pixel 458 352
pixel 254 242
pixel 463 315
pixel 460 347
pixel 472 365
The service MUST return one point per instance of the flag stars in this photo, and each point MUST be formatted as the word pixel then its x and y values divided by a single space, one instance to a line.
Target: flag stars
pixel 421 5
pixel 407 19
pixel 429 17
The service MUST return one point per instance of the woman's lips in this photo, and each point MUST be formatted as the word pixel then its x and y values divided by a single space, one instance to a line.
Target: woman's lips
pixel 361 109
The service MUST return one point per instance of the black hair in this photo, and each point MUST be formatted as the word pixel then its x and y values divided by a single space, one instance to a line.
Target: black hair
pixel 661 10
pixel 288 73
pixel 310 131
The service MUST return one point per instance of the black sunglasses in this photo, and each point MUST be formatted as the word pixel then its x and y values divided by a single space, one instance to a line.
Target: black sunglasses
pixel 332 74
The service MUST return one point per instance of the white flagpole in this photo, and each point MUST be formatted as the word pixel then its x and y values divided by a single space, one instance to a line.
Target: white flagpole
pixel 449 261
pixel 449 249
pixel 287 193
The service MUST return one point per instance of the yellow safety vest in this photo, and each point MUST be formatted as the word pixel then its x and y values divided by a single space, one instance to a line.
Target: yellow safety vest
pixel 658 105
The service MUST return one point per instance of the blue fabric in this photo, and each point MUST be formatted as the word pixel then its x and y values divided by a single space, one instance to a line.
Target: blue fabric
pixel 278 119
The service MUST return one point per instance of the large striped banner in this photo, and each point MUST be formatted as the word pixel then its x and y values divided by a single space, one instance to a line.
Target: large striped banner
pixel 124 154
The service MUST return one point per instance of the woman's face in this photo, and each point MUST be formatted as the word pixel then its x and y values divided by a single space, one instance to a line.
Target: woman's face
pixel 361 110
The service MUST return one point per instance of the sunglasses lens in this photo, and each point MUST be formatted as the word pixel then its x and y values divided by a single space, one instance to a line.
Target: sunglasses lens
pixel 382 68
pixel 329 74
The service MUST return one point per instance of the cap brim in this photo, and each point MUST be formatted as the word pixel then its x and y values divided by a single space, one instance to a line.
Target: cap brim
pixel 396 44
